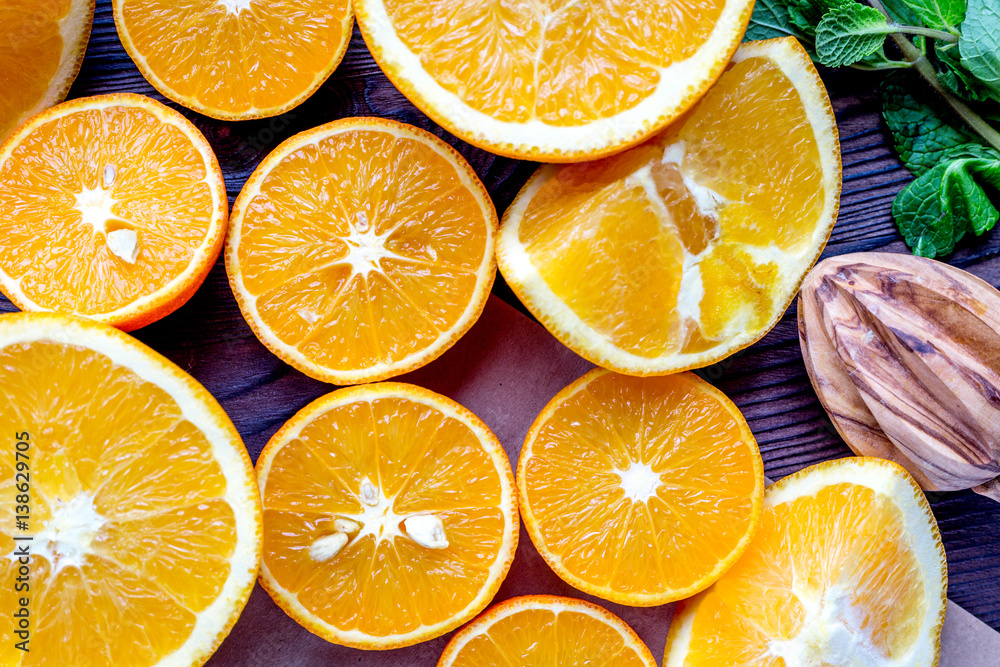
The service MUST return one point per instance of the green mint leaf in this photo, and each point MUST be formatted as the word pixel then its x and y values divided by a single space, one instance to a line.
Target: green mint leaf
pixel 960 81
pixel 980 42
pixel 900 12
pixel 923 127
pixel 927 227
pixel 939 14
pixel 941 206
pixel 770 19
pixel 847 34
pixel 806 14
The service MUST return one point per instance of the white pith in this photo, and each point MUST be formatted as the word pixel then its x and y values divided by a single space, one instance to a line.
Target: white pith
pixel 235 6
pixel 227 449
pixel 638 481
pixel 517 267
pixel 386 523
pixel 832 631
pixel 557 606
pixel 366 248
pixel 672 93
pixel 66 537
pixel 364 253
pixel 96 203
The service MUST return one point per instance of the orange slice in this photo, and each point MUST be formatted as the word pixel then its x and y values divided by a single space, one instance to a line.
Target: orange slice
pixel 115 209
pixel 553 81
pixel 641 491
pixel 362 249
pixel 235 59
pixel 40 55
pixel 390 516
pixel 689 247
pixel 545 630
pixel 136 493
pixel 847 569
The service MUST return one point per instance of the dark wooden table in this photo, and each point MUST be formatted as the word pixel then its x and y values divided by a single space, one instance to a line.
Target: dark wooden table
pixel 209 338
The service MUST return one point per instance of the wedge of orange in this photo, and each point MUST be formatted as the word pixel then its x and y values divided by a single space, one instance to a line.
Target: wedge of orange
pixel 545 630
pixel 390 516
pixel 128 504
pixel 362 249
pixel 114 209
pixel 641 491
pixel 685 249
pixel 847 569
pixel 41 52
pixel 235 59
pixel 553 81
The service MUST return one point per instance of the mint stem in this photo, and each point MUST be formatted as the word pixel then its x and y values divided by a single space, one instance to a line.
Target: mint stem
pixel 926 70
pixel 940 35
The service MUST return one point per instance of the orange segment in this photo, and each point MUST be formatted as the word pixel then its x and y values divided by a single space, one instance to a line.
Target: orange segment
pixel 389 516
pixel 156 533
pixel 689 247
pixel 640 490
pixel 40 55
pixel 553 81
pixel 544 630
pixel 117 206
pixel 362 249
pixel 848 568
pixel 235 59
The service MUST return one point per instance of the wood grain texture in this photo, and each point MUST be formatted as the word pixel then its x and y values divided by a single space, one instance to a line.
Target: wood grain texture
pixel 209 339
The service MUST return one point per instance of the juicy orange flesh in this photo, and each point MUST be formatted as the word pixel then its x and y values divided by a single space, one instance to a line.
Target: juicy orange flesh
pixel 701 508
pixel 611 237
pixel 159 552
pixel 543 637
pixel 158 190
pixel 304 238
pixel 30 52
pixel 425 462
pixel 564 63
pixel 262 57
pixel 843 549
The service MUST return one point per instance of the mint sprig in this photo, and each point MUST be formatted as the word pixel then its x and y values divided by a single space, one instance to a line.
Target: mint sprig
pixel 945 127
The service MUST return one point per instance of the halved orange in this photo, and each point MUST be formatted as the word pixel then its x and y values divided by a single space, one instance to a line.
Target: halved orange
pixel 235 59
pixel 641 491
pixel 41 51
pixel 362 249
pixel 114 209
pixel 685 249
pixel 133 494
pixel 553 81
pixel 390 516
pixel 847 569
pixel 545 630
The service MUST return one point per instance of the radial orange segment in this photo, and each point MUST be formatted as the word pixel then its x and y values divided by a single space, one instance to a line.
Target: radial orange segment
pixel 553 81
pixel 640 490
pixel 688 247
pixel 362 249
pixel 389 516
pixel 133 494
pixel 847 569
pixel 115 209
pixel 235 59
pixel 545 630
pixel 41 51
